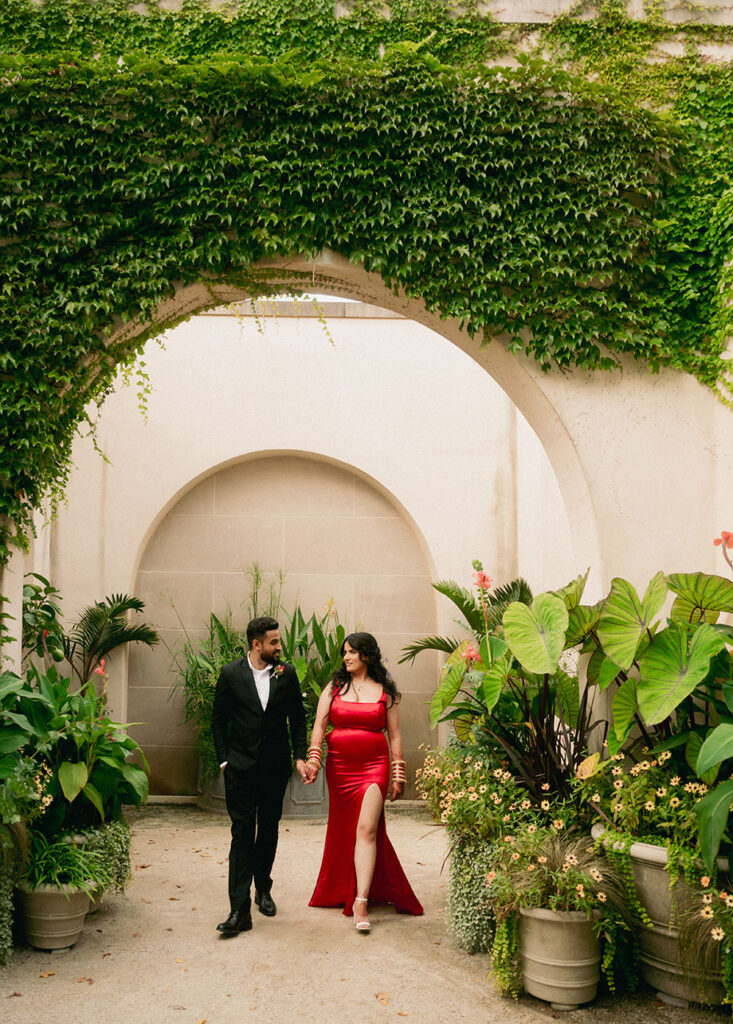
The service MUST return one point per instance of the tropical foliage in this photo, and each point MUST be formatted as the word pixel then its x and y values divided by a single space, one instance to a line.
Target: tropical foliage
pixel 101 628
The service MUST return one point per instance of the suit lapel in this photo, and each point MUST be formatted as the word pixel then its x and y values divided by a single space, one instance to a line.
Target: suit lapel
pixel 250 688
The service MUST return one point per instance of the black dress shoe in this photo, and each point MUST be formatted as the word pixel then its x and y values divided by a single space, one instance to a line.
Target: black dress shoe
pixel 238 921
pixel 266 903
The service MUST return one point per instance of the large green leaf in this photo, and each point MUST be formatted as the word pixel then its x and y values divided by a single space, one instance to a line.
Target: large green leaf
pixel 712 820
pixel 581 620
pixel 716 748
pixel 73 777
pixel 137 778
pixel 624 708
pixel 491 648
pixel 451 678
pixel 672 666
pixel 536 633
pixel 493 682
pixel 624 619
pixel 692 756
pixel 567 699
pixel 572 592
pixel 12 739
pixel 94 798
pixel 700 598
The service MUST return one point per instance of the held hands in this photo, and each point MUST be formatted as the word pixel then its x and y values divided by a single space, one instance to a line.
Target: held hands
pixel 311 773
pixel 302 770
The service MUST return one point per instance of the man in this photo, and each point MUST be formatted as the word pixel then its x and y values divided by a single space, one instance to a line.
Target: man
pixel 256 702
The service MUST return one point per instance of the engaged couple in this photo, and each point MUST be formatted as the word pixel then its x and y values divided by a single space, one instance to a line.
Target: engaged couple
pixel 258 715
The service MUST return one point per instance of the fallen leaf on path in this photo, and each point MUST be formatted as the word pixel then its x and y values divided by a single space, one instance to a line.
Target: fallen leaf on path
pixel 179 961
pixel 106 954
pixel 194 908
pixel 136 935
pixel 89 981
pixel 383 998
pixel 139 867
pixel 48 974
pixel 144 900
pixel 169 929
pixel 202 1021
pixel 401 1013
pixel 174 899
pixel 14 994
pixel 421 863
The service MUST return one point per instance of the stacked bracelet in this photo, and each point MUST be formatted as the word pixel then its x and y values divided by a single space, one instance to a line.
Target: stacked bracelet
pixel 398 772
pixel 314 757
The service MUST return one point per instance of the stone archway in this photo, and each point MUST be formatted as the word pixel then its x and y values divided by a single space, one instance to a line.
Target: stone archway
pixel 337 534
pixel 517 376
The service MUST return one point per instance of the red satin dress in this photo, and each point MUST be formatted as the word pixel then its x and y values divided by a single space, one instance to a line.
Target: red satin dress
pixel 358 756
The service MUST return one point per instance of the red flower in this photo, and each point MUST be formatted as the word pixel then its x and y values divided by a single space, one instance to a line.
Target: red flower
pixel 725 538
pixel 483 582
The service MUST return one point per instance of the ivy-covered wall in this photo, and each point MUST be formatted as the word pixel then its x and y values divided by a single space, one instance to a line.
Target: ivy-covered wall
pixel 577 205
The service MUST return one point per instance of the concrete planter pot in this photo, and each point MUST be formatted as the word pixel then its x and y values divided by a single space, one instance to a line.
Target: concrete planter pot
pixel 560 956
pixel 662 965
pixel 300 801
pixel 211 794
pixel 53 916
pixel 303 801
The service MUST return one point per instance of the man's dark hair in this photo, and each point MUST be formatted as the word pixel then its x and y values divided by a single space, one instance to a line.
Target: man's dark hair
pixel 257 628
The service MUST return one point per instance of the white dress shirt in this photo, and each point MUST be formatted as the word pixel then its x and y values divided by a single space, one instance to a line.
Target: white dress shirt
pixel 262 682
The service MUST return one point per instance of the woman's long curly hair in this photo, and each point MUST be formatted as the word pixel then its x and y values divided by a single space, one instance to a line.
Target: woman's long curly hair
pixel 368 649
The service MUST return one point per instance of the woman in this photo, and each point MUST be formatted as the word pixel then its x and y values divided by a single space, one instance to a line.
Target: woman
pixel 359 862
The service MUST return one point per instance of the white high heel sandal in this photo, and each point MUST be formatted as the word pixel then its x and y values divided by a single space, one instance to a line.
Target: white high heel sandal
pixel 362 926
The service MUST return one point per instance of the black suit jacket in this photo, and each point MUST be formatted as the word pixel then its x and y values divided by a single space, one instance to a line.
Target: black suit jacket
pixel 244 733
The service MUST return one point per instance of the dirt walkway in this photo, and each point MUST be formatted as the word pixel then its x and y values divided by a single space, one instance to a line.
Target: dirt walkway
pixel 154 957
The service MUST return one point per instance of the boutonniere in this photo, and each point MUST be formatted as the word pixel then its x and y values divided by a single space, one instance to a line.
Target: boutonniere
pixel 278 670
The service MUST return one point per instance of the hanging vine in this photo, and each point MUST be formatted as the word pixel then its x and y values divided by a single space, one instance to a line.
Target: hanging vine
pixel 140 153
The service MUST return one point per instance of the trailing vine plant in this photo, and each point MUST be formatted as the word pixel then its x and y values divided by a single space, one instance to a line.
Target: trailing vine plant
pixel 141 153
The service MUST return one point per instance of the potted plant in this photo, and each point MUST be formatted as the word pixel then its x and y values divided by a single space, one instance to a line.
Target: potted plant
pixel 561 917
pixel 58 880
pixel 112 840
pixel 647 816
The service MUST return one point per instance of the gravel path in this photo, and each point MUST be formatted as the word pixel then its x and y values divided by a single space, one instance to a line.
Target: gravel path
pixel 154 957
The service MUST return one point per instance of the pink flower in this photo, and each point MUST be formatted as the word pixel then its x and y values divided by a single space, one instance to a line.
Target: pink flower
pixel 99 670
pixel 483 582
pixel 470 654
pixel 725 538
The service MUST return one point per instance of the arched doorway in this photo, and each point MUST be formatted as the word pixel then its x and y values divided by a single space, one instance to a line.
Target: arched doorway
pixel 338 537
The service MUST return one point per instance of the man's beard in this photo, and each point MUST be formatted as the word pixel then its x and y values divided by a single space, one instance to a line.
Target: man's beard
pixel 271 659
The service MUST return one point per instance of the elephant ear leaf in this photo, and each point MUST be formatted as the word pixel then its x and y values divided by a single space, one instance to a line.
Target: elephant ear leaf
pixel 672 666
pixel 716 748
pixel 450 683
pixel 571 594
pixel 536 633
pixel 700 598
pixel 624 619
pixel 581 620
pixel 712 820
pixel 624 709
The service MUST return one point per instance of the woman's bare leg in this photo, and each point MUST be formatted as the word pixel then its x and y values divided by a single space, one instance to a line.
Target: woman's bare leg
pixel 365 848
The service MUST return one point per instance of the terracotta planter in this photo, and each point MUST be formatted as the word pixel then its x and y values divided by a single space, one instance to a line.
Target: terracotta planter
pixel 662 964
pixel 53 916
pixel 560 957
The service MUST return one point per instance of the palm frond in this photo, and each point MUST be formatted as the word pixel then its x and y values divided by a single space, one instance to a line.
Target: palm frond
pixel 465 601
pixel 445 644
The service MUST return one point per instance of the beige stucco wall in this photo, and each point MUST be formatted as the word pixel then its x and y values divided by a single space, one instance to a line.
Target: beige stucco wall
pixel 387 457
